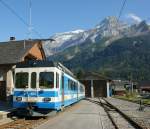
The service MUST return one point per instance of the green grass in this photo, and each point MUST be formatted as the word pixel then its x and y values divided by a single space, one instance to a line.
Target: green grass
pixel 133 98
pixel 146 101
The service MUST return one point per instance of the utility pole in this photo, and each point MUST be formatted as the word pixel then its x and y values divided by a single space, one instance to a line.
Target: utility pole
pixel 132 86
pixel 131 83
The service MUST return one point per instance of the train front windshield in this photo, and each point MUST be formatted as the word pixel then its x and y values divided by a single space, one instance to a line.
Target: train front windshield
pixel 46 80
pixel 22 80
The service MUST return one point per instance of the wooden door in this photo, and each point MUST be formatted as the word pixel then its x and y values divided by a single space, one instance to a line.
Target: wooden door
pixel 87 84
pixel 100 88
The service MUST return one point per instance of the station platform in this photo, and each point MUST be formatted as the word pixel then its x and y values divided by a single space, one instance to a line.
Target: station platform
pixel 82 115
pixel 4 110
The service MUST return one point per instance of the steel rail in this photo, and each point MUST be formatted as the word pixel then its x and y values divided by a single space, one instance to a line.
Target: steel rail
pixel 130 120
pixel 108 114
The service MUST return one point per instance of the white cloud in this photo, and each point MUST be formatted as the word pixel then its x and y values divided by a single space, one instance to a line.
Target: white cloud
pixel 134 17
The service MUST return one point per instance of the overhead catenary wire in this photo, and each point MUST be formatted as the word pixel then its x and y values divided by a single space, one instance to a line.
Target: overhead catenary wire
pixel 20 18
pixel 121 9
pixel 35 31
pixel 30 19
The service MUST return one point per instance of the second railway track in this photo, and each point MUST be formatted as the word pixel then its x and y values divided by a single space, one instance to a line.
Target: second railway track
pixel 119 119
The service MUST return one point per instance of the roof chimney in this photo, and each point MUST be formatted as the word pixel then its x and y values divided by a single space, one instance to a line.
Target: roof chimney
pixel 12 38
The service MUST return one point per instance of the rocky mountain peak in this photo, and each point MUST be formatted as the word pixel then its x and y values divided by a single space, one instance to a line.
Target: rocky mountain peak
pixel 138 29
pixel 109 21
pixel 143 26
pixel 109 28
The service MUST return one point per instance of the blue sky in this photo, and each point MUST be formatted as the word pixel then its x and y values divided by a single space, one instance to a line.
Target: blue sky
pixel 54 16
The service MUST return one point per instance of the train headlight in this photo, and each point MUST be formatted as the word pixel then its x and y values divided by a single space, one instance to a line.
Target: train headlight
pixel 19 98
pixel 46 99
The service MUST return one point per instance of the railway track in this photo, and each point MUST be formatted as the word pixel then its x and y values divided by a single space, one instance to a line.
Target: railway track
pixel 118 119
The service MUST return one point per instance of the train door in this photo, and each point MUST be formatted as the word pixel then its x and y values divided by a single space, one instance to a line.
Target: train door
pixel 62 90
pixel 30 84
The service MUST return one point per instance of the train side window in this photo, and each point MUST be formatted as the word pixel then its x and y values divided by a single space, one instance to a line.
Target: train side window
pixel 73 85
pixel 62 77
pixel 21 80
pixel 33 80
pixel 69 84
pixel 81 89
pixel 46 80
pixel 76 86
pixel 57 80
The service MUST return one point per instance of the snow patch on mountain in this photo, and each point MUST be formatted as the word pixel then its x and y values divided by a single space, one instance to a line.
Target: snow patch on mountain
pixel 109 28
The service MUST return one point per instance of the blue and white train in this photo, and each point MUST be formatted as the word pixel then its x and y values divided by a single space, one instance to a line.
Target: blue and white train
pixel 42 86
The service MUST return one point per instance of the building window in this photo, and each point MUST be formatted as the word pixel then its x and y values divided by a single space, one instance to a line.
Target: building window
pixel 46 80
pixel 21 80
pixel 33 80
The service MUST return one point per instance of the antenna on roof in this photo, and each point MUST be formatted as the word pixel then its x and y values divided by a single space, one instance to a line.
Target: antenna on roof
pixel 30 19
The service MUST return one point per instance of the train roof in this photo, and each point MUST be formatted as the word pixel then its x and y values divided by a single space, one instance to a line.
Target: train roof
pixel 44 63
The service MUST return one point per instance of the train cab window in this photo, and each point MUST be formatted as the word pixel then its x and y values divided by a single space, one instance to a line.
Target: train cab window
pixel 21 80
pixel 57 80
pixel 33 80
pixel 46 80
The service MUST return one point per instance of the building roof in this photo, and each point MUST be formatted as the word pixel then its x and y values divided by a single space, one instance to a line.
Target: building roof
pixel 94 76
pixel 12 52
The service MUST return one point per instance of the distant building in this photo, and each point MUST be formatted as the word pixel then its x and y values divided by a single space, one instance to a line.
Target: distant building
pixel 11 53
pixel 96 85
pixel 144 86
pixel 121 86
